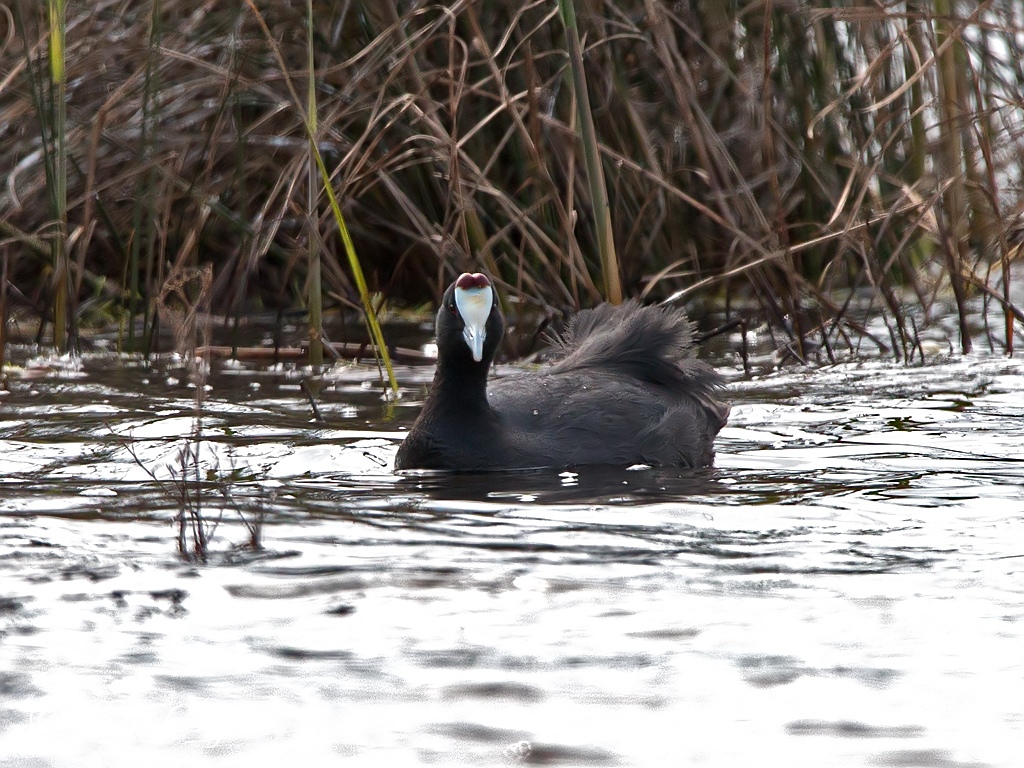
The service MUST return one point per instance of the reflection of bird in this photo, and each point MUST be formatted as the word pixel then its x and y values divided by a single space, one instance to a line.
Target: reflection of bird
pixel 628 390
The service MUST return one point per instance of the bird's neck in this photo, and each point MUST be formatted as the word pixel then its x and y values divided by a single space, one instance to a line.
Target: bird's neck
pixel 461 388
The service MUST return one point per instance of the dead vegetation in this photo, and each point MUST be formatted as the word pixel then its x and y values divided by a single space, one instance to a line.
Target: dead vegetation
pixel 193 477
pixel 802 162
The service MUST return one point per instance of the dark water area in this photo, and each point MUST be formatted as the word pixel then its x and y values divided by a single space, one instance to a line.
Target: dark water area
pixel 844 588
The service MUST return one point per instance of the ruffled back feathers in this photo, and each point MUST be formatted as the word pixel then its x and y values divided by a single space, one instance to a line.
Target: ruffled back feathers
pixel 649 343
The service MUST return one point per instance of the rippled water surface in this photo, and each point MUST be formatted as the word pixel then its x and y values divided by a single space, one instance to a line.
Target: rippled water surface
pixel 845 588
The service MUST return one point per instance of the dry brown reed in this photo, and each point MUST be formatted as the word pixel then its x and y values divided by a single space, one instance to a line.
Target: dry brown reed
pixel 807 162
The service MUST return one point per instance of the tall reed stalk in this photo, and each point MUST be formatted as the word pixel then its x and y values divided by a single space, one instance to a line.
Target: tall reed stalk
pixel 314 289
pixel 59 243
pixel 145 215
pixel 956 197
pixel 604 231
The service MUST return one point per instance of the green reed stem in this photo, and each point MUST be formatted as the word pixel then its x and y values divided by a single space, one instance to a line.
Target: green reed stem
pixel 58 74
pixel 350 251
pixel 592 156
pixel 314 288
pixel 357 273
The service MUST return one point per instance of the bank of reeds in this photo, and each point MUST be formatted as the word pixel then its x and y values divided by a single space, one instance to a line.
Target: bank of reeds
pixel 783 156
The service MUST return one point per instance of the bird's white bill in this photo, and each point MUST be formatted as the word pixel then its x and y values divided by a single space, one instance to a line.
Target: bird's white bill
pixel 474 304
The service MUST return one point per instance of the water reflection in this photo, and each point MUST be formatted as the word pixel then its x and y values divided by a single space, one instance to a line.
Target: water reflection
pixel 638 485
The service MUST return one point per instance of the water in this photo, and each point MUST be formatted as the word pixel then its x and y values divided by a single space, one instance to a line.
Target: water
pixel 845 588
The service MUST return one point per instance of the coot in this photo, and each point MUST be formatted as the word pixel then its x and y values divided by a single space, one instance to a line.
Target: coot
pixel 627 390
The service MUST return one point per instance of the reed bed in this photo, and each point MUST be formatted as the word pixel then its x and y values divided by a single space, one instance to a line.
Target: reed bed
pixel 798 163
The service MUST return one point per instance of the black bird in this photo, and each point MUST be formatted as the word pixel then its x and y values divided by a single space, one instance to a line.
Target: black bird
pixel 628 390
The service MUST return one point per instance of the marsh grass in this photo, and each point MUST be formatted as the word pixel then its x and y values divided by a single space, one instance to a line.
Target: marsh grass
pixel 181 481
pixel 188 480
pixel 802 164
pixel 183 306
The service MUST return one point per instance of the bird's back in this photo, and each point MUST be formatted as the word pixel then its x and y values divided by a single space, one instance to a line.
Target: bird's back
pixel 628 390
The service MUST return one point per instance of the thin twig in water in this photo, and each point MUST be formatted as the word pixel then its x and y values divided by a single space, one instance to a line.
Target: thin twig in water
pixel 304 386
